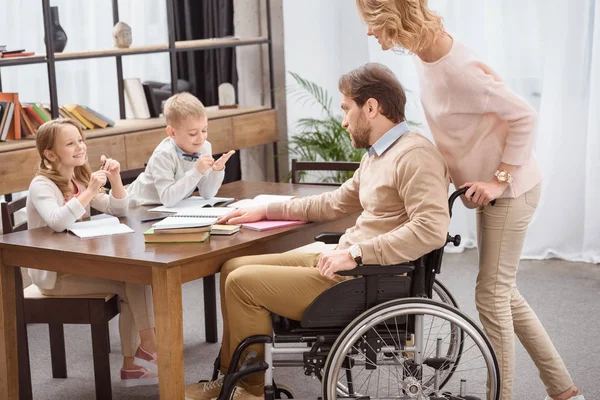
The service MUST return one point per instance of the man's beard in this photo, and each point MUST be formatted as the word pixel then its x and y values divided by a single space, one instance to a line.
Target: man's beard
pixel 360 136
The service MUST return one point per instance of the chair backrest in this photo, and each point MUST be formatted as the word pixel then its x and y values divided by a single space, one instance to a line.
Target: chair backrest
pixel 298 166
pixel 8 210
pixel 130 175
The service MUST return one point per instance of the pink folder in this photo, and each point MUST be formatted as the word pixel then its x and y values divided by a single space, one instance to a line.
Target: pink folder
pixel 268 225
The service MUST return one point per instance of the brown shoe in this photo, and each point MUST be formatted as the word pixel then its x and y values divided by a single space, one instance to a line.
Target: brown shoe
pixel 204 390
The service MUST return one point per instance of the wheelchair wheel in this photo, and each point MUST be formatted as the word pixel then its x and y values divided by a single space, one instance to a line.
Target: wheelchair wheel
pixel 399 349
pixel 441 293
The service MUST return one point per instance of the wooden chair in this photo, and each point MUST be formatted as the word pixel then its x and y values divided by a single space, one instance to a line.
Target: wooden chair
pixel 94 310
pixel 298 166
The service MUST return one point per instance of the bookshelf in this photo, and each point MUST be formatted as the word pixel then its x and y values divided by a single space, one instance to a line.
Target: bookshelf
pixel 125 127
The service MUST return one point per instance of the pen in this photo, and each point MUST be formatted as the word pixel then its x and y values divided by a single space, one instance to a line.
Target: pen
pixel 154 218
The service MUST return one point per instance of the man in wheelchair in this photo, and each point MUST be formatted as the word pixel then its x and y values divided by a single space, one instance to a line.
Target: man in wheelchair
pixel 400 190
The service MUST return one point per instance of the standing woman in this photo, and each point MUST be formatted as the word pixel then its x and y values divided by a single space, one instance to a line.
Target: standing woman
pixel 486 135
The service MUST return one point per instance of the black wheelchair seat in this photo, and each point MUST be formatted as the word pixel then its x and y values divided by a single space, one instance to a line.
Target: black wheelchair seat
pixel 335 308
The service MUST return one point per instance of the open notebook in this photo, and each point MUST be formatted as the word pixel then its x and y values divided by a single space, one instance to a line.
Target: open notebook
pixel 193 203
pixel 104 226
pixel 201 217
pixel 261 199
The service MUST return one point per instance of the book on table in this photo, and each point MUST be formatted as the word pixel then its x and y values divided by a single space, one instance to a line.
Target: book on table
pixel 191 204
pixel 193 219
pixel 153 236
pixel 103 225
pixel 224 229
pixel 261 199
pixel 268 225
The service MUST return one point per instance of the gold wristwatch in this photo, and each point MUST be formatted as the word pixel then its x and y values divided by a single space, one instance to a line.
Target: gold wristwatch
pixel 503 176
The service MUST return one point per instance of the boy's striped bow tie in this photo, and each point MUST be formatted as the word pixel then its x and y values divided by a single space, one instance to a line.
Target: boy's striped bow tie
pixel 191 157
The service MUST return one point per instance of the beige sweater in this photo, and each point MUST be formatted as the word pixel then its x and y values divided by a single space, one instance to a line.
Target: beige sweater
pixel 477 121
pixel 403 199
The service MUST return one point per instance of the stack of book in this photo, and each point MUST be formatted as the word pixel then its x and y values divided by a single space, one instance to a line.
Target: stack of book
pixel 177 235
pixel 22 120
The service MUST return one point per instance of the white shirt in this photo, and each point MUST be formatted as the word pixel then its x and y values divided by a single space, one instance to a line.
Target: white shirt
pixel 169 178
pixel 46 207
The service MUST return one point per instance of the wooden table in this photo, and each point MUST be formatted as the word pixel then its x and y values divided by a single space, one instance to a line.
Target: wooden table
pixel 127 258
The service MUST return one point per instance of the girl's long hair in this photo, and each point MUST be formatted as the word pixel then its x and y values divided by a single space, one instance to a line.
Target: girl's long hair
pixel 45 140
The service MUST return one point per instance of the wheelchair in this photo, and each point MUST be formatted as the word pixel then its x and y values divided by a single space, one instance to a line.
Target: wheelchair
pixel 391 332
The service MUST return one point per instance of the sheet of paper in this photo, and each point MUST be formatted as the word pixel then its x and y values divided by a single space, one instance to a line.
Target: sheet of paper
pixel 99 227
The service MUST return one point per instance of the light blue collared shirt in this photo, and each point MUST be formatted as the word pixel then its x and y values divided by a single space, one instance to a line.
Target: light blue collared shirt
pixel 388 139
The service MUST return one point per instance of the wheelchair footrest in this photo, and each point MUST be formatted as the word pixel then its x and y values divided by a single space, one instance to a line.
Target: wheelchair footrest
pixel 230 381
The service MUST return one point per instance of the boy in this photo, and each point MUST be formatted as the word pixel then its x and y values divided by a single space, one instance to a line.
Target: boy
pixel 183 161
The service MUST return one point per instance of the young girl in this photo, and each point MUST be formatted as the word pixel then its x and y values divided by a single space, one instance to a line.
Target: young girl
pixel 485 133
pixel 62 193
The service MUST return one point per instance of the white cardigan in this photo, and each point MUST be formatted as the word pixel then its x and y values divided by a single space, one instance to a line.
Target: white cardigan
pixel 46 207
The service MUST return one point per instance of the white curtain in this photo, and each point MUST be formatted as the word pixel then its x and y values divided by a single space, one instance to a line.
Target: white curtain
pixel 547 51
pixel 88 24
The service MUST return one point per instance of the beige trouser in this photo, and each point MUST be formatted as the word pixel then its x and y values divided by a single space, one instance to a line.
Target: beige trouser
pixel 252 287
pixel 503 311
pixel 137 308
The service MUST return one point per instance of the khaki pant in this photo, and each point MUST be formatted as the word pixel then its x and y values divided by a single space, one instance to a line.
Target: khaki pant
pixel 137 308
pixel 503 311
pixel 252 287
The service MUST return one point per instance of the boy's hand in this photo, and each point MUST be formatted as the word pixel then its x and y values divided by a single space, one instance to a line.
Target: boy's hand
pixel 219 165
pixel 97 180
pixel 242 215
pixel 111 167
pixel 204 162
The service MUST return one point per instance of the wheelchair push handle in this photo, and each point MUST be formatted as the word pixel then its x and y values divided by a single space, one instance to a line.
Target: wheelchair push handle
pixel 456 195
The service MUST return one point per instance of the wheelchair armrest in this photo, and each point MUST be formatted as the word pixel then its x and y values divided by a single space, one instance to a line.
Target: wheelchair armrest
pixel 329 237
pixel 383 270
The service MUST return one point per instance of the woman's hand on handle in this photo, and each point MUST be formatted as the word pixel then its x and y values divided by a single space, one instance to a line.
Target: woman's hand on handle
pixel 482 193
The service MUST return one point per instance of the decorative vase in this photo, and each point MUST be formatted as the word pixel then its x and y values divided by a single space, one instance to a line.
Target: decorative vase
pixel 122 35
pixel 59 37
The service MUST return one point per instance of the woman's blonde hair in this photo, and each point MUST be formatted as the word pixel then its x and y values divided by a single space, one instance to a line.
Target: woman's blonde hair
pixel 406 23
pixel 45 139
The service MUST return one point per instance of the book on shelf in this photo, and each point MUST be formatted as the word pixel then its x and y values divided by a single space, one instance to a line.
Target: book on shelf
pixel 14 127
pixel 152 236
pixel 14 55
pixel 261 199
pixel 268 225
pixel 74 111
pixel 103 225
pixel 218 229
pixel 108 121
pixel 192 204
pixel 136 99
pixel 152 101
pixel 6 119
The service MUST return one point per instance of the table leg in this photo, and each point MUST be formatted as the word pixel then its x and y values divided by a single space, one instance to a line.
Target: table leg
pixel 9 371
pixel 166 288
pixel 210 309
pixel 25 390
